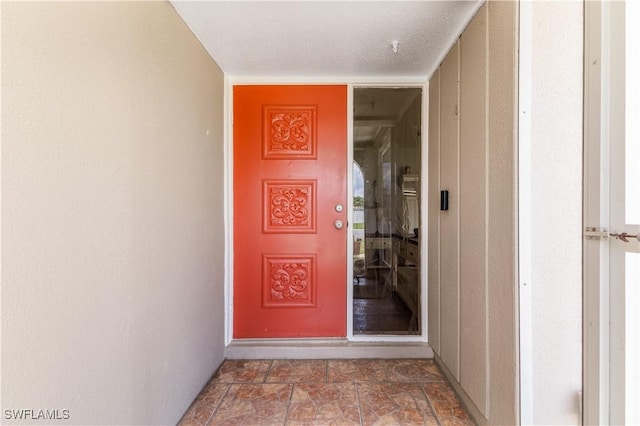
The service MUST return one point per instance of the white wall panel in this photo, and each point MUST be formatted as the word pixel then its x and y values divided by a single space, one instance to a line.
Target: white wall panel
pixel 556 210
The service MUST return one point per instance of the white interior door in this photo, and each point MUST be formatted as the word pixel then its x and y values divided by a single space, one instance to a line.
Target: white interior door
pixel 612 214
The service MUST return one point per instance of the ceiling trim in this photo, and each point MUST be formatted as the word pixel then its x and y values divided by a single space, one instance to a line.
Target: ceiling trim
pixel 384 81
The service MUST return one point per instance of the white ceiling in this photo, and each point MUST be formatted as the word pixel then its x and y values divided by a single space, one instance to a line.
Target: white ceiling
pixel 327 38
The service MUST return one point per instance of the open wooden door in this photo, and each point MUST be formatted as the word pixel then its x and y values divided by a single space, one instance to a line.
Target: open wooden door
pixel 290 155
pixel 612 214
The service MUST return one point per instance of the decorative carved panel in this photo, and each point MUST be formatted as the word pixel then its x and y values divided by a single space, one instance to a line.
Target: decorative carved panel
pixel 289 132
pixel 288 280
pixel 289 206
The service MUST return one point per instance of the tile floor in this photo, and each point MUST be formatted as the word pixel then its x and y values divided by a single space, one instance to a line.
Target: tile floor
pixel 327 392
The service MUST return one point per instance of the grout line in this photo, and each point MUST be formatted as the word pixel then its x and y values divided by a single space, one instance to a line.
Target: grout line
pixel 355 385
pixel 433 410
pixel 268 371
pixel 286 416
pixel 426 398
pixel 218 405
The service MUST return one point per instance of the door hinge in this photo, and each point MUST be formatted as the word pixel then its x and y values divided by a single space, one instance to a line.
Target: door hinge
pixel 591 233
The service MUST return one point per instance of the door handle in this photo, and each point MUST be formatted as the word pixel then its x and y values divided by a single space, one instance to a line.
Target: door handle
pixel 623 236
pixel 338 224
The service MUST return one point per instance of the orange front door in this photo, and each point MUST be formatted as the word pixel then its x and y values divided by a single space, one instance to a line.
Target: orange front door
pixel 290 150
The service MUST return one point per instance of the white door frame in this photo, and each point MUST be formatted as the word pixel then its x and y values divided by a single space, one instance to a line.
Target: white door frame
pixel 424 152
pixel 322 347
pixel 595 255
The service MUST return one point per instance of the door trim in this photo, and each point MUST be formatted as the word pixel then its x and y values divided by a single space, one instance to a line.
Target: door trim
pixel 596 189
pixel 230 341
pixel 595 256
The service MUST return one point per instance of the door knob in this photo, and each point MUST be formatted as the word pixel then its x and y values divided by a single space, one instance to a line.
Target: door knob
pixel 339 208
pixel 338 224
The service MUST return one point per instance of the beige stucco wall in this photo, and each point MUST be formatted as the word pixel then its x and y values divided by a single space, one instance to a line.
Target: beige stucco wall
pixel 472 246
pixel 112 212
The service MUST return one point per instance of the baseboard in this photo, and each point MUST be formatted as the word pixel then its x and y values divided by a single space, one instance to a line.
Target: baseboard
pixel 324 349
pixel 472 409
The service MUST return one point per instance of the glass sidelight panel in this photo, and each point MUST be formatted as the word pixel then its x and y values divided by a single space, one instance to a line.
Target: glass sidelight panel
pixel 386 211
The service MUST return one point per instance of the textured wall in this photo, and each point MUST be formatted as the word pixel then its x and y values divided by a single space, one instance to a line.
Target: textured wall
pixel 556 210
pixel 112 236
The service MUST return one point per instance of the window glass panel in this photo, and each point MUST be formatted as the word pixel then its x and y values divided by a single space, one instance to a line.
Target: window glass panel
pixel 386 211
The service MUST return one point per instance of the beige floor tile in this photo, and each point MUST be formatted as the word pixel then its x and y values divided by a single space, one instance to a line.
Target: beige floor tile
pixel 324 404
pixel 439 391
pixel 240 371
pixel 451 413
pixel 355 370
pixel 394 403
pixel 253 404
pixel 204 405
pixel 412 370
pixel 298 371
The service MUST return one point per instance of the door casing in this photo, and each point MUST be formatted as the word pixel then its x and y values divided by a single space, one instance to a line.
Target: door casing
pixel 228 195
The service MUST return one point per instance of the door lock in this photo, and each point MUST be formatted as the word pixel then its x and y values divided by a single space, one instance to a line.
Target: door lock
pixel 338 224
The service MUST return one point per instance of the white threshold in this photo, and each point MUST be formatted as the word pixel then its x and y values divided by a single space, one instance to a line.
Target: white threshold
pixel 324 349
